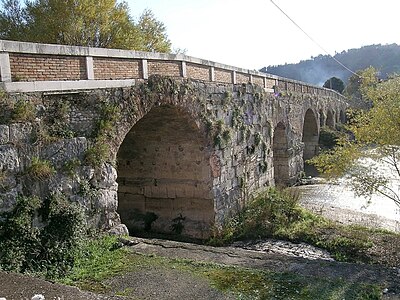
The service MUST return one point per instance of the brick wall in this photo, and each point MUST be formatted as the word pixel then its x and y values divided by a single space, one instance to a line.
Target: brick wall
pixel 242 78
pixel 117 68
pixel 26 67
pixel 198 72
pixel 166 68
pixel 258 80
pixel 223 76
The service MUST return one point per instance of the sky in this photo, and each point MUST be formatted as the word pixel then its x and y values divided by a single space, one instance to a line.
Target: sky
pixel 254 33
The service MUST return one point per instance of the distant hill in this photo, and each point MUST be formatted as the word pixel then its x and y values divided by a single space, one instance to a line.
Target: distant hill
pixel 385 58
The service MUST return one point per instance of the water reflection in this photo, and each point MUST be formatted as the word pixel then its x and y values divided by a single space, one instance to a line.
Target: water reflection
pixel 338 201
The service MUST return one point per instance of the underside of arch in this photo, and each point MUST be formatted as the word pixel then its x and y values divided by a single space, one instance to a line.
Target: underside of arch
pixel 164 175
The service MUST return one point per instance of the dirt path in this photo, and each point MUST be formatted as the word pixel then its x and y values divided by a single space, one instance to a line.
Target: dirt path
pixel 159 283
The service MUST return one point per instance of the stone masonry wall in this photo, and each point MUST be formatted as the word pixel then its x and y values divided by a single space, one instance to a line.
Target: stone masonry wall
pixel 195 175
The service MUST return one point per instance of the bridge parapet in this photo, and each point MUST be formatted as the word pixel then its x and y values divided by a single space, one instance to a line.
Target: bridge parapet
pixel 32 67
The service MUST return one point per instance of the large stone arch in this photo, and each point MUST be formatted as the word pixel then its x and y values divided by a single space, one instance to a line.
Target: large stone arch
pixel 280 155
pixel 310 135
pixel 164 174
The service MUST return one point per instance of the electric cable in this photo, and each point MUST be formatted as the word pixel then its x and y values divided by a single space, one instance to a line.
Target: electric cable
pixel 310 37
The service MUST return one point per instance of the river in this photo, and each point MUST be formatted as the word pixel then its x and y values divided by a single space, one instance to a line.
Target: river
pixel 338 202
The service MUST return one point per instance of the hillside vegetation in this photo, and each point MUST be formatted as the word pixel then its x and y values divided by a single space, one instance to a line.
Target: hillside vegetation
pixel 384 58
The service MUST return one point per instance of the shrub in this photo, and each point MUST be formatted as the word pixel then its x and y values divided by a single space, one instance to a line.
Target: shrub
pixel 48 250
pixel 97 154
pixel 40 169
pixel 24 111
pixel 276 214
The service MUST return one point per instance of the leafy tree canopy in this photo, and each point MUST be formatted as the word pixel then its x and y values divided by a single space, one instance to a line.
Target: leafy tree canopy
pixel 94 23
pixel 376 139
pixel 334 83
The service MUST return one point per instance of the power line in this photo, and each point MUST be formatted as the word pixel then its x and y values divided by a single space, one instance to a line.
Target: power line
pixel 310 37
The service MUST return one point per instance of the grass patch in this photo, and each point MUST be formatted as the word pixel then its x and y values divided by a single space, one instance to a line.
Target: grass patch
pixel 96 260
pixel 40 169
pixel 101 260
pixel 276 214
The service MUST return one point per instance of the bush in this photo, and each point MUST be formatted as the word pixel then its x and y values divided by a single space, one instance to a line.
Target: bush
pixel 276 214
pixel 266 215
pixel 24 111
pixel 48 250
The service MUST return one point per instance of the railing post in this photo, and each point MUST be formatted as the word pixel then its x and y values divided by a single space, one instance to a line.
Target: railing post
pixel 5 68
pixel 89 68
pixel 145 69
pixel 212 74
pixel 183 69
pixel 233 77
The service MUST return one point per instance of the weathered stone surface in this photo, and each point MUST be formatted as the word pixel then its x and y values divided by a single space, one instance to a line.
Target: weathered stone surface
pixel 120 229
pixel 20 133
pixel 105 177
pixel 4 134
pixel 182 148
pixel 65 150
pixel 9 159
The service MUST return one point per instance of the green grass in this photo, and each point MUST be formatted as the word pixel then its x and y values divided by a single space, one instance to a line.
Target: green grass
pixel 97 259
pixel 276 214
pixel 102 259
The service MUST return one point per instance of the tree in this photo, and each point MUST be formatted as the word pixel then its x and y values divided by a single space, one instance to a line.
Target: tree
pixel 376 139
pixel 93 23
pixel 152 33
pixel 335 84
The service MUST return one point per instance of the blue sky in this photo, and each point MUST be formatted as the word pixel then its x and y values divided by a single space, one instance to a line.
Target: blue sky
pixel 254 33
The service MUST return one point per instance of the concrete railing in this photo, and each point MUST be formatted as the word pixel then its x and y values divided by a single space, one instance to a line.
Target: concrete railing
pixel 32 67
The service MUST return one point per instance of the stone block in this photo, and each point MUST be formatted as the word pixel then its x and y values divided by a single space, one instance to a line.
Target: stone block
pixel 4 134
pixel 9 159
pixel 20 133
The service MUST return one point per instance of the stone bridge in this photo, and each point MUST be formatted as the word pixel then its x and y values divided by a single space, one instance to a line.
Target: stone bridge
pixel 160 141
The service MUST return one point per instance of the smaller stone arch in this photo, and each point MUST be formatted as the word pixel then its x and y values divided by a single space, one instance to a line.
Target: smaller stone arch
pixel 321 118
pixel 280 155
pixel 342 117
pixel 310 135
pixel 330 119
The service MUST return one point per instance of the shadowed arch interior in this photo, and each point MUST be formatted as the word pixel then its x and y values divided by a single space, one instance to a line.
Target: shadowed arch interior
pixel 164 175
pixel 330 120
pixel 310 135
pixel 342 117
pixel 280 155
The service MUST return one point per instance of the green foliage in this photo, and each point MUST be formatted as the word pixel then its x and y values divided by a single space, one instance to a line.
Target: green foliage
pixel 377 127
pixel 48 250
pixel 97 154
pixel 95 260
pixel 328 137
pixel 276 214
pixel 40 169
pixel 335 84
pixel 24 111
pixel 71 166
pixel 102 23
pixel 19 111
